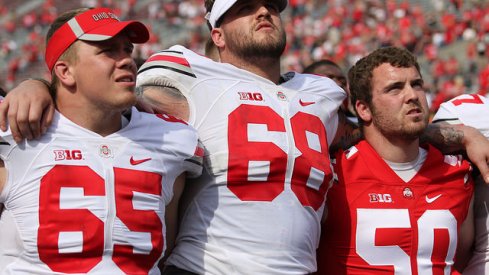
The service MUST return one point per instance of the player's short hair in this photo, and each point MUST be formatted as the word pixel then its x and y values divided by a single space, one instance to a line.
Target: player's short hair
pixel 211 50
pixel 208 5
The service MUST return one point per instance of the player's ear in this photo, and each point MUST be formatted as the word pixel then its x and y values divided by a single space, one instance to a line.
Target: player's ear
pixel 218 37
pixel 64 73
pixel 363 110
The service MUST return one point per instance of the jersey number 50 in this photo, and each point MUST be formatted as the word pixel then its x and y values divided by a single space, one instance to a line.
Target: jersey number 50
pixel 371 221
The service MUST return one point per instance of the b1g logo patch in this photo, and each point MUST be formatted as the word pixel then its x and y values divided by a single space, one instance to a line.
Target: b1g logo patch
pixel 250 96
pixel 380 198
pixel 67 155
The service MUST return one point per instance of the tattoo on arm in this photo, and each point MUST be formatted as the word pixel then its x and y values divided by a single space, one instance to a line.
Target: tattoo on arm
pixel 447 138
pixel 170 91
pixel 166 99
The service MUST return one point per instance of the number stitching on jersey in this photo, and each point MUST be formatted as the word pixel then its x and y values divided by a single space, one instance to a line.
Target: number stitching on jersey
pixel 311 172
pixel 474 100
pixel 54 221
pixel 430 224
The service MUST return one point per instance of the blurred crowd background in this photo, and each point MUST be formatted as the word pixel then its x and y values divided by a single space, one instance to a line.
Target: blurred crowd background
pixel 450 37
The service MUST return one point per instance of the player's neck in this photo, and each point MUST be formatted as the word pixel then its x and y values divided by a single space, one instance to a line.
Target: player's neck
pixel 102 122
pixel 268 68
pixel 400 150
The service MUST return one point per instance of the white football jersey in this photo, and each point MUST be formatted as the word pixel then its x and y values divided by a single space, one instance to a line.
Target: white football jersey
pixel 83 203
pixel 473 110
pixel 257 208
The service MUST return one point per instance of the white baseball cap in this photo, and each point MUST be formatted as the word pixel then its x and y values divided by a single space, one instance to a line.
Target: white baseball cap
pixel 220 7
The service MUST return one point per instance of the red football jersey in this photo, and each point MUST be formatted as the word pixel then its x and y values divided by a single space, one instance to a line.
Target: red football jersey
pixel 380 224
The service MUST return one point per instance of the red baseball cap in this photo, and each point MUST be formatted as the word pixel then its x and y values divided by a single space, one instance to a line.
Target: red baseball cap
pixel 97 24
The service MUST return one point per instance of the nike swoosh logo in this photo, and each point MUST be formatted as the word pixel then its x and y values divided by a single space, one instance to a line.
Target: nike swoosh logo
pixel 430 200
pixel 139 161
pixel 305 103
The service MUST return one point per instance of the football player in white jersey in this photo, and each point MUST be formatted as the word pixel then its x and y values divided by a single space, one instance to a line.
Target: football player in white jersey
pixel 473 110
pixel 257 208
pixel 98 193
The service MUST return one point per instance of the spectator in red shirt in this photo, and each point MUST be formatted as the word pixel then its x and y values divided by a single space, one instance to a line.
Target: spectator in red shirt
pixel 484 80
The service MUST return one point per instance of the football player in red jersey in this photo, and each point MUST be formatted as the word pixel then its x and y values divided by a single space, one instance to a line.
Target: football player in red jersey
pixel 397 207
pixel 98 193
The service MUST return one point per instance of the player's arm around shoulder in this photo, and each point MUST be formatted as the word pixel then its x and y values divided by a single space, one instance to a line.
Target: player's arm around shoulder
pixel 163 83
pixel 451 138
pixel 28 108
pixel 161 99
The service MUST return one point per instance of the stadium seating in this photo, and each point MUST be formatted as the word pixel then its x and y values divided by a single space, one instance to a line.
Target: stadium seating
pixel 441 33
